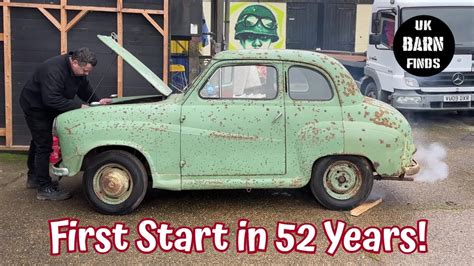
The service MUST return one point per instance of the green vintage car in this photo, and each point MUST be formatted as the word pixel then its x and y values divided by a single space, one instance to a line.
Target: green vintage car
pixel 252 120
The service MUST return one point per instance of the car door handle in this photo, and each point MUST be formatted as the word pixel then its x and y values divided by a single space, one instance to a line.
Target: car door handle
pixel 374 58
pixel 277 116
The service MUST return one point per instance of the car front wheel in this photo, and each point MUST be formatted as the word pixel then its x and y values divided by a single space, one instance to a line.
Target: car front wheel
pixel 341 182
pixel 115 182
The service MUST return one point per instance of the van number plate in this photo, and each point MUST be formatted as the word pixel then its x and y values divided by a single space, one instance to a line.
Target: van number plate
pixel 457 98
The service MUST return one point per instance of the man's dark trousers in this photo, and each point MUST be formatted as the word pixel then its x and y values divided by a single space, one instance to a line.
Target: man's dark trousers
pixel 40 125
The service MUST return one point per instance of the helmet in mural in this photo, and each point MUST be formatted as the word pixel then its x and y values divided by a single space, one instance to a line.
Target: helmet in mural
pixel 256 19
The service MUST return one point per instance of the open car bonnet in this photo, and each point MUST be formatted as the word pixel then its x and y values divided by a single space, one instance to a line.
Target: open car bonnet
pixel 151 77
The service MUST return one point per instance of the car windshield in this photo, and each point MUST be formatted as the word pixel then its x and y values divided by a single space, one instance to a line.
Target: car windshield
pixel 191 84
pixel 458 19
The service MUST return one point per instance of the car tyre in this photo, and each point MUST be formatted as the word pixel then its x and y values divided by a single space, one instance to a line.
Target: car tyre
pixel 341 182
pixel 115 182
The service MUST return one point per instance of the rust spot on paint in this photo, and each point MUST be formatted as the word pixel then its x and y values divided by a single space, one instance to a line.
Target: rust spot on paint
pixel 231 136
pixel 380 119
pixel 351 89
pixel 161 128
pixel 349 117
pixel 69 130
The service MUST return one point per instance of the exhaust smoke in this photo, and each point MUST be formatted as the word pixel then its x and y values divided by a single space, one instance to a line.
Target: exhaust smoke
pixel 432 161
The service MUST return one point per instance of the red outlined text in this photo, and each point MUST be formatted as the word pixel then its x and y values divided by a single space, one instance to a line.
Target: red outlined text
pixel 66 235
pixel 77 237
pixel 374 239
pixel 153 235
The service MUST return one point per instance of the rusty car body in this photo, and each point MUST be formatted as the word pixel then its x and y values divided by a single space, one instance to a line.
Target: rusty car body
pixel 309 125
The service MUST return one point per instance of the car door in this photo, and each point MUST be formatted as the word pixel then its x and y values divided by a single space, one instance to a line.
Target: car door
pixel 233 123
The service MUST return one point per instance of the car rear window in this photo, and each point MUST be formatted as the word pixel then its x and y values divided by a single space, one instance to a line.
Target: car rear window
pixel 308 84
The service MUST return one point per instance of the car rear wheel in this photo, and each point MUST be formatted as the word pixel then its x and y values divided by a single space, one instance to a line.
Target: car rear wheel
pixel 341 182
pixel 115 182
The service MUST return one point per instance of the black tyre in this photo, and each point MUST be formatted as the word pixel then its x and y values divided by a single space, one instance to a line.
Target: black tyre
pixel 372 91
pixel 115 182
pixel 341 182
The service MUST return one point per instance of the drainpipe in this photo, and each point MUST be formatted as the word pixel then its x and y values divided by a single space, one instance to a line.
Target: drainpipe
pixel 226 23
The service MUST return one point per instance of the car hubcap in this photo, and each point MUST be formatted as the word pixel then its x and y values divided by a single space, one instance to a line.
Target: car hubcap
pixel 112 184
pixel 342 180
pixel 372 94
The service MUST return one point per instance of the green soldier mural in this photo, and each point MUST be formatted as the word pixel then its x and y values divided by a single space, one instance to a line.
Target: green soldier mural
pixel 256 27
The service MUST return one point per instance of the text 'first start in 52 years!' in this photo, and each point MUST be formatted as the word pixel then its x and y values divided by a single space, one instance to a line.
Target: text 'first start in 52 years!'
pixel 289 237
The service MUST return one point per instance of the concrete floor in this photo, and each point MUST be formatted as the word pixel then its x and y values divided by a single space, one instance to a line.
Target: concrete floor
pixel 447 204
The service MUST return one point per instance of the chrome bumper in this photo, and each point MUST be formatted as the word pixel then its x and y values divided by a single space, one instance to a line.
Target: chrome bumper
pixel 413 169
pixel 430 101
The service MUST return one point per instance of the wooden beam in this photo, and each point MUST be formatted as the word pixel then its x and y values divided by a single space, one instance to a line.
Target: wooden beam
pixel 76 19
pixel 153 23
pixel 115 10
pixel 63 27
pixel 3 132
pixel 120 42
pixel 365 207
pixel 87 8
pixel 166 39
pixel 92 8
pixel 50 17
pixel 7 67
pixel 140 11
pixel 29 5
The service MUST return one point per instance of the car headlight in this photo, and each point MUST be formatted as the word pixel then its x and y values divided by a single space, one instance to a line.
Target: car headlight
pixel 408 100
pixel 411 82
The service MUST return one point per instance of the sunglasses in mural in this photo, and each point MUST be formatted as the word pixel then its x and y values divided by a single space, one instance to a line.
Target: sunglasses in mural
pixel 252 20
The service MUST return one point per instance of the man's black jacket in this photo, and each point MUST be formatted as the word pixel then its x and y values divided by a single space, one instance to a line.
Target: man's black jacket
pixel 53 87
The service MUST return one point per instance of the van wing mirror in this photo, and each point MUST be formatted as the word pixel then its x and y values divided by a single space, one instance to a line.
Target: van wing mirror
pixel 376 22
pixel 375 39
pixel 377 18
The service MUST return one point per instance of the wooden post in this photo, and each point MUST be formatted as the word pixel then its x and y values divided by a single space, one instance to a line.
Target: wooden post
pixel 63 28
pixel 165 41
pixel 7 58
pixel 120 42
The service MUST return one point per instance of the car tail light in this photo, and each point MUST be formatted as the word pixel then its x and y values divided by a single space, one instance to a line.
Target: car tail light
pixel 55 156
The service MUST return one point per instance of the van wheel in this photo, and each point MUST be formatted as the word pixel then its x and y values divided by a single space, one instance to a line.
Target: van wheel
pixel 342 182
pixel 372 91
pixel 115 182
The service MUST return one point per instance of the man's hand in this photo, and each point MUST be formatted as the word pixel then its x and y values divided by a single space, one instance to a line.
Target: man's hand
pixel 105 101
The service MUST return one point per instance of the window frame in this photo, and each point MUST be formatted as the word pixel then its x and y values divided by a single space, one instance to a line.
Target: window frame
pixel 219 68
pixel 322 73
pixel 382 46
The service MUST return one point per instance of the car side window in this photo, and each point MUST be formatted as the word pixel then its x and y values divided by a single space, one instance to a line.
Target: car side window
pixel 242 82
pixel 308 84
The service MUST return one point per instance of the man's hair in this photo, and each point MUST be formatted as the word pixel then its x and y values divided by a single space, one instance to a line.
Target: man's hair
pixel 84 56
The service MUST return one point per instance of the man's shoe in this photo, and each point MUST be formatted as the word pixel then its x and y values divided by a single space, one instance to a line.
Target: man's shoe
pixel 52 193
